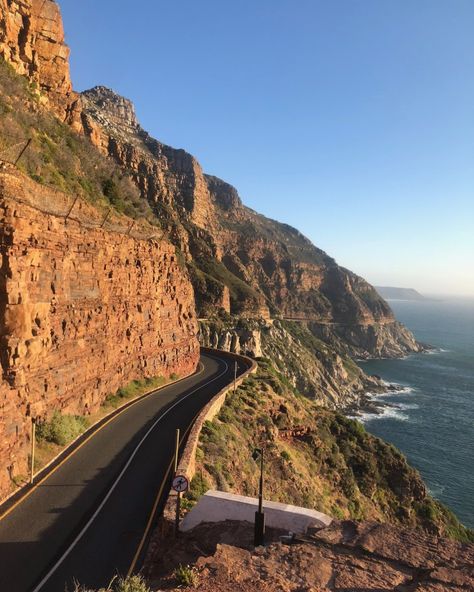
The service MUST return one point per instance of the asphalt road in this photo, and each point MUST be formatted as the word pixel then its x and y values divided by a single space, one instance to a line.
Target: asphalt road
pixel 85 522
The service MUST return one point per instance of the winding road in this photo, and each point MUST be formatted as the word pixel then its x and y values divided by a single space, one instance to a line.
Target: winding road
pixel 85 521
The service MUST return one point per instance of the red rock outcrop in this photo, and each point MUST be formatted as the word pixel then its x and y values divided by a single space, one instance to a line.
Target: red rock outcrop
pixel 344 557
pixel 32 41
pixel 83 311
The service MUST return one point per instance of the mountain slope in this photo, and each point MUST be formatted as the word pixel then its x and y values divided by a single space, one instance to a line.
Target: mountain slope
pixel 240 262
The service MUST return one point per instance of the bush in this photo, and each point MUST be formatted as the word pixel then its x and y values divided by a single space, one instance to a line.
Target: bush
pixel 133 389
pixel 61 429
pixel 185 575
pixel 199 486
pixel 129 584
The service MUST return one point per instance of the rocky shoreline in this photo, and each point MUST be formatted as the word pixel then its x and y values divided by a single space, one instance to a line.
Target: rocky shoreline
pixel 370 403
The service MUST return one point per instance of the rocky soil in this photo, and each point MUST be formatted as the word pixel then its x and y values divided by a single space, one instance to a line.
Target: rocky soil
pixel 347 556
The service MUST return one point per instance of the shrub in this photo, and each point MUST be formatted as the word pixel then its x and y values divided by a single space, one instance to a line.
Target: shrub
pixel 185 575
pixel 199 486
pixel 129 584
pixel 61 429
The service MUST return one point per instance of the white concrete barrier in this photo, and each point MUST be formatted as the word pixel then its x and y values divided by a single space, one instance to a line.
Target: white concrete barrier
pixel 217 506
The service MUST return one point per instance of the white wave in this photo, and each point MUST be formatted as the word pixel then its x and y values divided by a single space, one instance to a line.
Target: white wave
pixel 386 413
pixel 437 350
pixel 436 490
pixel 395 411
pixel 401 389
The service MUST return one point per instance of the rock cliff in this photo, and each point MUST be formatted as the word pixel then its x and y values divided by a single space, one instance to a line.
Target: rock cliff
pixel 32 40
pixel 346 556
pixel 239 261
pixel 84 310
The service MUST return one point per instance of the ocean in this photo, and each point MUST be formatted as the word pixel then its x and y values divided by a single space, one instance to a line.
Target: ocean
pixel 432 418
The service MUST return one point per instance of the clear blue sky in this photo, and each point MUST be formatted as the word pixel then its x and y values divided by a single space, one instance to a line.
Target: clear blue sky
pixel 352 120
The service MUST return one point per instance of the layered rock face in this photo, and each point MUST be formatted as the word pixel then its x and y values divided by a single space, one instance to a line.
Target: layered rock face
pixel 32 40
pixel 83 311
pixel 268 269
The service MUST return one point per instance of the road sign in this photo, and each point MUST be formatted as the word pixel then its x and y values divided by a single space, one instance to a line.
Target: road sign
pixel 180 484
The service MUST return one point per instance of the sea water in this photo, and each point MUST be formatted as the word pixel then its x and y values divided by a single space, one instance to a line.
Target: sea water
pixel 432 419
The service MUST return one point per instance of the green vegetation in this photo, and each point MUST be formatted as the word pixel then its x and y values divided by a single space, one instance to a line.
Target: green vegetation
pixel 61 429
pixel 129 584
pixel 135 389
pixel 58 156
pixel 186 575
pixel 314 458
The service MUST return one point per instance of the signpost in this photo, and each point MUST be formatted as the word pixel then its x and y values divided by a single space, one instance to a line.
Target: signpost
pixel 180 485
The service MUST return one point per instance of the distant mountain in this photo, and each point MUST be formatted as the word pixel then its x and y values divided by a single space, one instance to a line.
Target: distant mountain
pixel 392 293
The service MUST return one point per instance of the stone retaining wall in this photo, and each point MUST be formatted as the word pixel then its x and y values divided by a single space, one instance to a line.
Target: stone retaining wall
pixel 187 462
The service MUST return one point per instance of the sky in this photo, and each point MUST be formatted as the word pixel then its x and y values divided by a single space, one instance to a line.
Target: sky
pixel 352 120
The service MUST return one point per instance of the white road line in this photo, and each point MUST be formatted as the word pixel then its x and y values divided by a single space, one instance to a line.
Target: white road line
pixel 116 482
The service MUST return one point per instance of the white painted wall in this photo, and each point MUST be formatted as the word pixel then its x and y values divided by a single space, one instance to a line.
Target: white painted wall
pixel 217 506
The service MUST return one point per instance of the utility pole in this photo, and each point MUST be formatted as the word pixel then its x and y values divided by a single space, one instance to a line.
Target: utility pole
pixel 259 529
pixel 33 441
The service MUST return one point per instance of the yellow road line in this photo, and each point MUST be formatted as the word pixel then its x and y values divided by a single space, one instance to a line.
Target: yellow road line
pixel 114 415
pixel 157 501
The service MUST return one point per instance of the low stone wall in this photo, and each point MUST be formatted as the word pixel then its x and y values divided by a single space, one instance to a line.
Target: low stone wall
pixel 187 462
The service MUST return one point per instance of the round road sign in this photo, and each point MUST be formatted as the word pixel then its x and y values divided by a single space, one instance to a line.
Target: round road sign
pixel 180 484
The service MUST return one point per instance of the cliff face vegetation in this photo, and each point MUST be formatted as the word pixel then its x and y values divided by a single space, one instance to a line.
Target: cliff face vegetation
pixel 314 458
pixel 309 364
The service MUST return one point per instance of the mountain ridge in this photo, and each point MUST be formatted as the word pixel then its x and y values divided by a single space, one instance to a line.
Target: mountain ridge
pixel 241 263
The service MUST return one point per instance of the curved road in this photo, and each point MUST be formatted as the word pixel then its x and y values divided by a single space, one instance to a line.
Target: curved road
pixel 86 520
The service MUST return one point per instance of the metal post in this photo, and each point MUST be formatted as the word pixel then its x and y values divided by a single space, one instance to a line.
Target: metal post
pixel 72 207
pixel 176 451
pixel 235 376
pixel 178 510
pixel 33 440
pixel 105 219
pixel 23 151
pixel 260 489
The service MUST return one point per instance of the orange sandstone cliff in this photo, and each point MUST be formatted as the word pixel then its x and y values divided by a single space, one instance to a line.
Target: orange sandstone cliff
pixel 84 310
pixel 32 40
